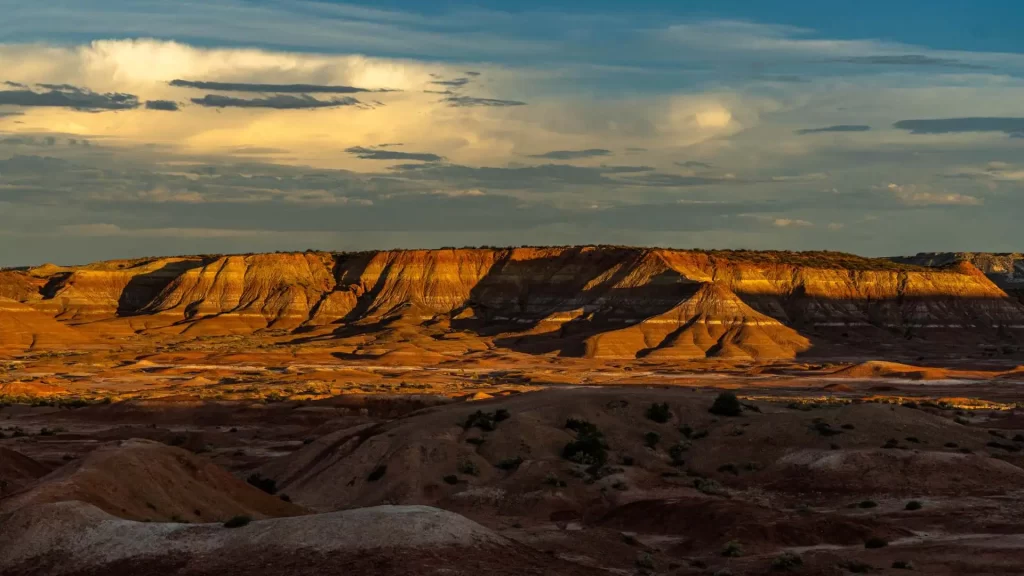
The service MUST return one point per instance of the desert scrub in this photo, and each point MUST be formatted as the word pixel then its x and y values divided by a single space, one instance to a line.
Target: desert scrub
pixel 589 448
pixel 677 453
pixel 651 439
pixel 726 404
pixel 913 505
pixel 510 463
pixel 659 413
pixel 237 522
pixel 732 549
pixel 787 561
pixel 876 542
pixel 469 468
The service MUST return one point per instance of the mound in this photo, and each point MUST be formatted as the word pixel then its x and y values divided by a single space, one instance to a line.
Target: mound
pixel 23 328
pixel 892 472
pixel 714 322
pixel 880 369
pixel 709 523
pixel 18 471
pixel 145 480
pixel 72 538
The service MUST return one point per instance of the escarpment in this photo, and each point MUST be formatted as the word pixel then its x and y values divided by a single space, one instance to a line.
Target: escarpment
pixel 597 301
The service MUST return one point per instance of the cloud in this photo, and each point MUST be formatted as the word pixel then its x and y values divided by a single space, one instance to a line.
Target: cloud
pixel 277 101
pixel 836 128
pixel 809 177
pixel 470 101
pixel 165 105
pixel 14 84
pixel 791 223
pixel 910 60
pixel 67 96
pixel 1006 125
pixel 455 83
pixel 471 73
pixel 572 154
pixel 276 88
pixel 377 154
pixel 913 195
pixel 694 164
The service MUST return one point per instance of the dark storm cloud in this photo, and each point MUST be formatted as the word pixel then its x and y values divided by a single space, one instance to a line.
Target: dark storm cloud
pixel 277 88
pixel 694 164
pixel 469 101
pixel 1012 126
pixel 472 73
pixel 277 101
pixel 836 128
pixel 376 154
pixel 67 96
pixel 455 83
pixel 572 154
pixel 165 105
pixel 14 84
pixel 910 60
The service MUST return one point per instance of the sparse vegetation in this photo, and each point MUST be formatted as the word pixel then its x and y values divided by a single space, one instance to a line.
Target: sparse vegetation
pixel 659 413
pixel 451 479
pixel 378 473
pixel 856 566
pixel 469 468
pixel 903 565
pixel 552 479
pixel 589 448
pixel 645 561
pixel 732 549
pixel 726 404
pixel 787 561
pixel 876 542
pixel 237 522
pixel 651 439
pixel 510 463
pixel 913 505
pixel 677 453
pixel 708 486
pixel 686 430
pixel 824 428
pixel 268 485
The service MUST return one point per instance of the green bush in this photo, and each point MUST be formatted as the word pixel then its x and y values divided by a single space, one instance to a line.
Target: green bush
pixel 268 485
pixel 726 404
pixel 377 473
pixel 876 542
pixel 510 463
pixel 659 413
pixel 651 439
pixel 469 468
pixel 237 522
pixel 589 448
pixel 787 561
pixel 732 549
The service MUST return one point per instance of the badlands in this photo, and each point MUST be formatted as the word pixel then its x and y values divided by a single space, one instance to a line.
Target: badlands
pixel 563 410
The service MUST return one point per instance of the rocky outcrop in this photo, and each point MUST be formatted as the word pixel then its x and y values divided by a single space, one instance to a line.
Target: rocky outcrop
pixel 589 295
pixel 1006 269
pixel 23 328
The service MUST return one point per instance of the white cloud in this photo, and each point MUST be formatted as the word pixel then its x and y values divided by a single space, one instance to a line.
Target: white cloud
pixel 791 223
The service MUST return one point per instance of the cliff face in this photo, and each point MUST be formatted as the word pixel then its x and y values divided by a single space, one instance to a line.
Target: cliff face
pixel 608 301
pixel 1006 270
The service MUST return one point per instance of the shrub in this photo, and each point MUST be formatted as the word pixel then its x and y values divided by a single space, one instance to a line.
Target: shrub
pixel 787 561
pixel 582 427
pixel 699 434
pixel 268 485
pixel 856 566
pixel 824 429
pixel 645 561
pixel 628 461
pixel 469 468
pixel 377 473
pixel 651 439
pixel 677 451
pixel 686 430
pixel 237 522
pixel 553 480
pixel 732 549
pixel 510 463
pixel 480 419
pixel 726 404
pixel 867 504
pixel 589 448
pixel 891 443
pixel 903 565
pixel 451 479
pixel 847 426
pixel 501 414
pixel 951 445
pixel 913 505
pixel 708 486
pixel 876 542
pixel 659 413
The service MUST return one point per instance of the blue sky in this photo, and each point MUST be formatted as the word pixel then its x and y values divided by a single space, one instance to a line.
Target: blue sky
pixel 131 127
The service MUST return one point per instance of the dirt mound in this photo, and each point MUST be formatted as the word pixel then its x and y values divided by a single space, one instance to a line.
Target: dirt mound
pixel 23 328
pixel 892 472
pixel 72 538
pixel 18 471
pixel 710 523
pixel 880 369
pixel 714 322
pixel 145 480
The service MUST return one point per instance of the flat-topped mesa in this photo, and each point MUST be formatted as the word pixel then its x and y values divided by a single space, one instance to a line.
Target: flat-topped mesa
pixel 532 290
pixel 240 294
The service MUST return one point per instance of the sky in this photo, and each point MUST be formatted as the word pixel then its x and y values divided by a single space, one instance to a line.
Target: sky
pixel 135 128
